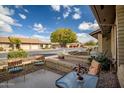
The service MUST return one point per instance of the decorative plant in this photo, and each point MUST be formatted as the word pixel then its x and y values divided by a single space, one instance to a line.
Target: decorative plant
pixel 102 59
pixel 17 54
pixel 1 49
pixel 14 42
pixel 61 55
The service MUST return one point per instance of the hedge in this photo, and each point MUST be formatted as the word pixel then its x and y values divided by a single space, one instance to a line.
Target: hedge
pixel 17 54
pixel 1 49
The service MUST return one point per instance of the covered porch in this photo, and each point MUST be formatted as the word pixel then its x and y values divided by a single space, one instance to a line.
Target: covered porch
pixel 111 34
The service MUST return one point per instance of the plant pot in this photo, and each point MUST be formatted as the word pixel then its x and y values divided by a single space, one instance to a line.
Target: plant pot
pixel 61 57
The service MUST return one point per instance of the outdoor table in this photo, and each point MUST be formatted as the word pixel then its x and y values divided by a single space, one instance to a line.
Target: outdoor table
pixel 70 81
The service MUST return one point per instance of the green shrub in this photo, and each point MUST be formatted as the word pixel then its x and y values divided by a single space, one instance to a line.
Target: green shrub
pixel 20 49
pixel 17 54
pixel 1 49
pixel 102 59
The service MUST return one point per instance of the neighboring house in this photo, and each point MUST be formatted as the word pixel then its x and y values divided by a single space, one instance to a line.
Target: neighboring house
pixel 73 45
pixel 111 34
pixel 46 45
pixel 55 45
pixel 26 43
pixel 103 42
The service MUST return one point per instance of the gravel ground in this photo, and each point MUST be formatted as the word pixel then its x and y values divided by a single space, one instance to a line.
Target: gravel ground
pixel 108 80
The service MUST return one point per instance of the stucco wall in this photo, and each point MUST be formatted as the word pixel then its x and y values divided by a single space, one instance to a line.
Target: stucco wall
pixel 25 46
pixel 4 45
pixel 34 47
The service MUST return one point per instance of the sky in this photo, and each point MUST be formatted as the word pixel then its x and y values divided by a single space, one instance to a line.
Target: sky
pixel 38 21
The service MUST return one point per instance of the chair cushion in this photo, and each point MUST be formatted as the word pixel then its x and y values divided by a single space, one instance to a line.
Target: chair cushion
pixel 94 68
pixel 15 69
pixel 39 63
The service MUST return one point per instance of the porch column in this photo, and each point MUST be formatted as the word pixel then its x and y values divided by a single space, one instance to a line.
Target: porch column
pixel 100 42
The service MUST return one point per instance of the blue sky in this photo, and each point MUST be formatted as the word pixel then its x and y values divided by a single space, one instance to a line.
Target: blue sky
pixel 39 21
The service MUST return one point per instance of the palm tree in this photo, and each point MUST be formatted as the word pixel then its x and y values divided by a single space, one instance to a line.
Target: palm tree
pixel 18 43
pixel 11 42
pixel 14 42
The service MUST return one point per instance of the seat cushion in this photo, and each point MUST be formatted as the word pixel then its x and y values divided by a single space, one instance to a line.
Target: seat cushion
pixel 94 68
pixel 15 69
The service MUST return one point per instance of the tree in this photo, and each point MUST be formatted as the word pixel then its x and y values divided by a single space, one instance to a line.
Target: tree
pixel 90 43
pixel 63 36
pixel 18 43
pixel 14 42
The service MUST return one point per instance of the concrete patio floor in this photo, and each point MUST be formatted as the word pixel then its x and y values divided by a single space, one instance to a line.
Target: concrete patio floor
pixel 39 79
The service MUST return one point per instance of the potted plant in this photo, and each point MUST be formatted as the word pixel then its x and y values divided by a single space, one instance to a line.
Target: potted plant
pixel 103 60
pixel 61 55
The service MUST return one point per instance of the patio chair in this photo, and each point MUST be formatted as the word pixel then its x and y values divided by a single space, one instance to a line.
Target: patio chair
pixel 39 60
pixel 94 68
pixel 15 66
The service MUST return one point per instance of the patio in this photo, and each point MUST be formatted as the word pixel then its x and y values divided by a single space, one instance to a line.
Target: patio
pixel 38 79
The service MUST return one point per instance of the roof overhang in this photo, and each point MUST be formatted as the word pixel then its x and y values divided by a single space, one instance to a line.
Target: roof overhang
pixel 105 16
pixel 95 33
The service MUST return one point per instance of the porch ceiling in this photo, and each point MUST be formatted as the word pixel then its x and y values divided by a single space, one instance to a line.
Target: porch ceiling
pixel 105 16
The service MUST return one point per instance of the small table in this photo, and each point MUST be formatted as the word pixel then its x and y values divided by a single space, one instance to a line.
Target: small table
pixel 70 81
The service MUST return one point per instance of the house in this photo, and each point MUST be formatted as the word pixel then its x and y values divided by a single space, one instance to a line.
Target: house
pixel 111 34
pixel 73 45
pixel 26 43
pixel 46 45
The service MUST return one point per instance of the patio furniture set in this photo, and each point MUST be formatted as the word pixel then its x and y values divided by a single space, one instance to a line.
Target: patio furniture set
pixel 15 66
pixel 80 79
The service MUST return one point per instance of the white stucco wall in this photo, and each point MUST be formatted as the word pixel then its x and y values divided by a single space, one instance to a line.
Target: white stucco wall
pixel 34 47
pixel 25 46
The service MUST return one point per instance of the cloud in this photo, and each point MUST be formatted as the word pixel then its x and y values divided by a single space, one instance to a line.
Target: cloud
pixel 6 21
pixel 22 16
pixel 77 10
pixel 5 27
pixel 19 35
pixel 38 27
pixel 13 35
pixel 88 26
pixel 84 37
pixel 6 11
pixel 66 14
pixel 26 10
pixel 18 6
pixel 67 11
pixel 56 7
pixel 21 7
pixel 42 38
pixel 77 14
